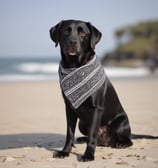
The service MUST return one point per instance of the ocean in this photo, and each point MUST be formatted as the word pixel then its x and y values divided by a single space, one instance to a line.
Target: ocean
pixel 45 69
pixel 28 69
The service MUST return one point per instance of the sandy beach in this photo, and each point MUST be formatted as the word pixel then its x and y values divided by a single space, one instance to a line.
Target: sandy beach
pixel 33 126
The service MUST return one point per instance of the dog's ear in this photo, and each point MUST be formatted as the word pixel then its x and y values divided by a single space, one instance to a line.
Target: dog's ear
pixel 95 35
pixel 54 33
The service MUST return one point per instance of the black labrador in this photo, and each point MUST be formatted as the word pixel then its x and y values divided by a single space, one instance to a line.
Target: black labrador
pixel 102 117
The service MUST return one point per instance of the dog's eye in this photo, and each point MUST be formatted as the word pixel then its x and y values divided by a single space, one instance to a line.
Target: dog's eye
pixel 67 31
pixel 81 32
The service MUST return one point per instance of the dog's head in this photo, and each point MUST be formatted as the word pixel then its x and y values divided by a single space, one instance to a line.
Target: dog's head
pixel 77 39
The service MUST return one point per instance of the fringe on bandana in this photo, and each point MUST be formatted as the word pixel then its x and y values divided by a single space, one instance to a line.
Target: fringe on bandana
pixel 78 84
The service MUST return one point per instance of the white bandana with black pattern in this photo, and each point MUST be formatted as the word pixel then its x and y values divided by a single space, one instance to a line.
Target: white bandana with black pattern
pixel 78 84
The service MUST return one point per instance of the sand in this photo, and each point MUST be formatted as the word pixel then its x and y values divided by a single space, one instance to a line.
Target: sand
pixel 33 126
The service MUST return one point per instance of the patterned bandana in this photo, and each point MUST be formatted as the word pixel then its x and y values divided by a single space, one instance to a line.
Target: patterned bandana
pixel 78 84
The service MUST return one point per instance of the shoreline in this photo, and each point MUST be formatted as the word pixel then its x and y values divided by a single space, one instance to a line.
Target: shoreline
pixel 130 78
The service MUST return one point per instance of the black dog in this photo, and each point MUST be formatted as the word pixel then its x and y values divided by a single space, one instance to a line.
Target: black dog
pixel 102 117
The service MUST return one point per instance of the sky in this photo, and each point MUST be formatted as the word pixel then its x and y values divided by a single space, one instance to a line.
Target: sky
pixel 25 24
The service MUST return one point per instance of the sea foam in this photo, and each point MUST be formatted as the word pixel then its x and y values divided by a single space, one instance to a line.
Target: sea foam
pixel 38 67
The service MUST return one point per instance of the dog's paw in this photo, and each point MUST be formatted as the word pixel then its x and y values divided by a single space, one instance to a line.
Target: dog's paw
pixel 87 158
pixel 60 154
pixel 121 145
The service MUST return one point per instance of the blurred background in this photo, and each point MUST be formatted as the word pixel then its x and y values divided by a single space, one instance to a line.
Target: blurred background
pixel 128 48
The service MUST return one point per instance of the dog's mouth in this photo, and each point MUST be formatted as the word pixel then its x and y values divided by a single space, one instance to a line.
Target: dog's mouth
pixel 72 53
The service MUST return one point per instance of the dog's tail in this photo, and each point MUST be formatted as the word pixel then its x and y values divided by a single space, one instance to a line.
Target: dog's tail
pixel 133 136
pixel 142 136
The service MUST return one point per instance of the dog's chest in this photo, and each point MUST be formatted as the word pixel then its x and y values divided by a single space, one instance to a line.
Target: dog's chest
pixel 85 111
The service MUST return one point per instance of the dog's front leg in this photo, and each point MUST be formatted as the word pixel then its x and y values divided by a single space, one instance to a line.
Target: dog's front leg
pixel 92 136
pixel 71 125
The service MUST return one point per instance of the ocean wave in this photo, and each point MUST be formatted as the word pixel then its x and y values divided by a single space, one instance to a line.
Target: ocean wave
pixel 49 72
pixel 38 67
pixel 110 71
pixel 126 72
pixel 26 78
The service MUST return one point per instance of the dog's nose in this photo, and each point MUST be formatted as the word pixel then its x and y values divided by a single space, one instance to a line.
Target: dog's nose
pixel 73 42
